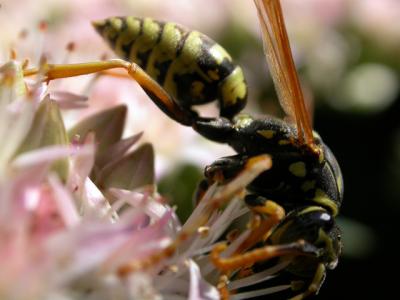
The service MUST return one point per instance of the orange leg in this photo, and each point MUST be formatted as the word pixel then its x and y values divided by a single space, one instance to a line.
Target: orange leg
pixel 159 96
pixel 229 264
pixel 256 255
pixel 266 218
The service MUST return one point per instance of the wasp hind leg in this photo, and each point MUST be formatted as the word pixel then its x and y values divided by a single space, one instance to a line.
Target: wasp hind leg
pixel 157 94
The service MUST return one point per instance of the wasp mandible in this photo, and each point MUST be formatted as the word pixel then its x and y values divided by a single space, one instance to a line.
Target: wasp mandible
pixel 179 68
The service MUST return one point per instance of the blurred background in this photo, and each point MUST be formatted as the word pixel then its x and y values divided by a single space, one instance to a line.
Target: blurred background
pixel 347 54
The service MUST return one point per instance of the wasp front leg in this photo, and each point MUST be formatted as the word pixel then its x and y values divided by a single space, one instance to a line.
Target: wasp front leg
pixel 226 168
pixel 157 94
pixel 266 212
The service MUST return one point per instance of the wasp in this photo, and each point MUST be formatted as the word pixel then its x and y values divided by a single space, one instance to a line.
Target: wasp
pixel 179 68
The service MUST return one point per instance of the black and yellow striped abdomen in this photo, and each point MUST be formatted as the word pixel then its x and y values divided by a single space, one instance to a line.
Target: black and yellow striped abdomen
pixel 190 66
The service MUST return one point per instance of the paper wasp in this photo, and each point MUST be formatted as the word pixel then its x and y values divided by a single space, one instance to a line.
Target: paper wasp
pixel 179 68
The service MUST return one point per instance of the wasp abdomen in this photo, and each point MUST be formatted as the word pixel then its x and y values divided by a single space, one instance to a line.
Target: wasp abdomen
pixel 190 66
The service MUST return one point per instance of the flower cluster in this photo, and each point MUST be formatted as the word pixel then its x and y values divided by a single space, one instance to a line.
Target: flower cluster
pixel 80 216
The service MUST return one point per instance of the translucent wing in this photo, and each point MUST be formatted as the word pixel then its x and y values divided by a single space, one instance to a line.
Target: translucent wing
pixel 280 61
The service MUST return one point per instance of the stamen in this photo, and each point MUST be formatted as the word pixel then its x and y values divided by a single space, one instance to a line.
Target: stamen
pixel 13 54
pixel 70 47
pixel 42 27
pixel 262 276
pixel 23 34
pixel 104 56
pixel 262 292
pixel 25 64
pixel 203 231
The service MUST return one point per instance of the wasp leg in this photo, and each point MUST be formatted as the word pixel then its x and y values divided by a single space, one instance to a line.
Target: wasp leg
pixel 237 172
pixel 201 190
pixel 226 168
pixel 267 214
pixel 157 94
pixel 215 173
pixel 219 130
pixel 259 254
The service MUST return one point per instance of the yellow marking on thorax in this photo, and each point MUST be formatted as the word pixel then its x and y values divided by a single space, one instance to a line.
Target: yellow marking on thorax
pixel 283 142
pixel 308 185
pixel 146 41
pixel 242 121
pixel 298 169
pixel 268 134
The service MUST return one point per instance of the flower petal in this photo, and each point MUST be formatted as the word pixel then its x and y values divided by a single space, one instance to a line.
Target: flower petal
pixel 47 129
pixel 199 288
pixel 107 126
pixel 68 100
pixel 116 151
pixel 132 171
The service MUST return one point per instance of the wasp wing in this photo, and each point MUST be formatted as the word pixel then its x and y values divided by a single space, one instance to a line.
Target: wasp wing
pixel 280 61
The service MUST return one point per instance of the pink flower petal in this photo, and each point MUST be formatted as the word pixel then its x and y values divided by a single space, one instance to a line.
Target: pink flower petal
pixel 47 155
pixel 64 202
pixel 68 100
pixel 94 204
pixel 141 244
pixel 81 166
pixel 45 218
pixel 117 150
pixel 199 288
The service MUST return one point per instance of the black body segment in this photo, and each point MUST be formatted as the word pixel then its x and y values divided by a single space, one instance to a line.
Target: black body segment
pixel 298 177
